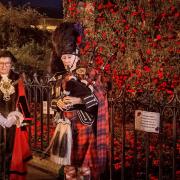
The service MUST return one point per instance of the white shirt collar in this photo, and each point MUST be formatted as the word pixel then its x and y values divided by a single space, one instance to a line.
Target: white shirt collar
pixel 4 76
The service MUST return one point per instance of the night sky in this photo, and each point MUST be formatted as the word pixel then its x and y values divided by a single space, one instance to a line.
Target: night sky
pixel 52 8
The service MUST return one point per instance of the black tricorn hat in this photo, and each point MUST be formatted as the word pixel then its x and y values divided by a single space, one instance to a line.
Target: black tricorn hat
pixel 65 37
pixel 6 53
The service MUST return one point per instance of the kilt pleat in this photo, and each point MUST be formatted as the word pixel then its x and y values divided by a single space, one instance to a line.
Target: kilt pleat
pixel 84 146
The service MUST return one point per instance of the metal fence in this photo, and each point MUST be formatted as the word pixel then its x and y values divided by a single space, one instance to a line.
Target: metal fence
pixel 134 154
pixel 145 155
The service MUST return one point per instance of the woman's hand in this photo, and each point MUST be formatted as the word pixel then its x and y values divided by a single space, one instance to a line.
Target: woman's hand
pixel 61 105
pixel 72 100
pixel 67 102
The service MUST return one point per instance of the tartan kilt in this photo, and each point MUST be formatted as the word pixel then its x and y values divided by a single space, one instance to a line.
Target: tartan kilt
pixel 84 144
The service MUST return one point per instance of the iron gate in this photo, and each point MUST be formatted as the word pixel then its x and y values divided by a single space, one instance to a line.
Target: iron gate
pixel 133 154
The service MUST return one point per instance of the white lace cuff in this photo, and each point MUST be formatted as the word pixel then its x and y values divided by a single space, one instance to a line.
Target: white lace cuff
pixel 15 118
pixel 2 120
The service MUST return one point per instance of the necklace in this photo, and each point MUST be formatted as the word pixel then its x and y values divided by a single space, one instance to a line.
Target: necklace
pixel 7 88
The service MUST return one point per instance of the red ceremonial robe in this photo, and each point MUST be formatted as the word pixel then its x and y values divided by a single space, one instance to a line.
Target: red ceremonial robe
pixel 21 150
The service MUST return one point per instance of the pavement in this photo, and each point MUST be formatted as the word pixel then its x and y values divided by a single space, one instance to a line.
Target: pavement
pixel 42 169
pixel 35 173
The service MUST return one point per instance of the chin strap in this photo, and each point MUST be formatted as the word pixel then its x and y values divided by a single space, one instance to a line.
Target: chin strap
pixel 70 67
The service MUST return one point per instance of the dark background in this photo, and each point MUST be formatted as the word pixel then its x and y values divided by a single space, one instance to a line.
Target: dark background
pixel 51 8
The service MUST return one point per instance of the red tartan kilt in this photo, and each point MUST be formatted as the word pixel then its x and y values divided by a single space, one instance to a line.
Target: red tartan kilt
pixel 84 147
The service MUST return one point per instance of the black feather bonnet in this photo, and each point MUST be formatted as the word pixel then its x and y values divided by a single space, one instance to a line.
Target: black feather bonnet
pixel 65 38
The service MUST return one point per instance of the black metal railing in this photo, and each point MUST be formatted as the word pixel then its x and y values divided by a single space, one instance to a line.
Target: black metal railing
pixel 145 155
pixel 38 92
pixel 133 154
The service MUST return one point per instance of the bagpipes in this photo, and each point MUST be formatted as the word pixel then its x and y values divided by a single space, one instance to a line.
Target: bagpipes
pixel 71 86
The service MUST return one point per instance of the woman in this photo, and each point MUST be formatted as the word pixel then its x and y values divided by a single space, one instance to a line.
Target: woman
pixel 15 150
pixel 74 142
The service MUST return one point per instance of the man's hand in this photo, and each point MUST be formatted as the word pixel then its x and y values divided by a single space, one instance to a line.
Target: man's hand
pixel 14 118
pixel 2 121
pixel 10 121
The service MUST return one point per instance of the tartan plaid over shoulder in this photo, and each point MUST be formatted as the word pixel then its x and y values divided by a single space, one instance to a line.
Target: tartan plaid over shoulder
pixel 102 139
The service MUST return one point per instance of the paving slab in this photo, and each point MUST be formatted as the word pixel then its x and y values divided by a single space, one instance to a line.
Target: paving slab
pixel 36 174
pixel 42 169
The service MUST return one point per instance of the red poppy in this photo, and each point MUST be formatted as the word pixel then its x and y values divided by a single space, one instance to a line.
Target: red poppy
pixel 125 8
pixel 148 52
pixel 100 6
pixel 160 74
pixel 135 13
pixel 79 40
pixel 147 69
pixel 158 37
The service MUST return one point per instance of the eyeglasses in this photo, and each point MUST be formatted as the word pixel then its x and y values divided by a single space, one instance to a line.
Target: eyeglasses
pixel 7 64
